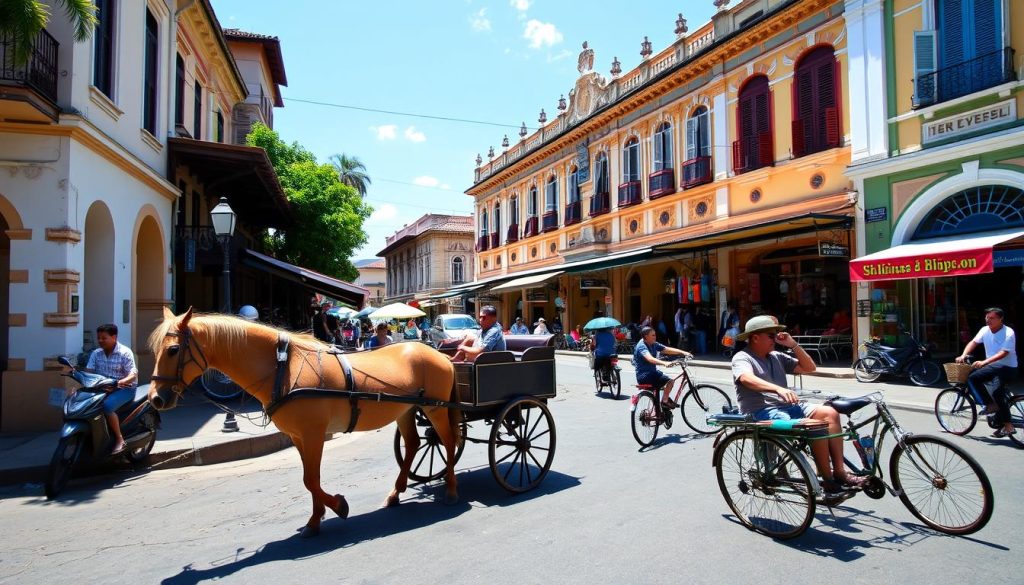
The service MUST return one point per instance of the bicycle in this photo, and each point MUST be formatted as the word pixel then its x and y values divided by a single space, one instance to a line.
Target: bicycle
pixel 218 387
pixel 608 375
pixel 956 407
pixel 766 478
pixel 647 413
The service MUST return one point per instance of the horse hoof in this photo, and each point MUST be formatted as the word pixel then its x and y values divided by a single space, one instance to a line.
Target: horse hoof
pixel 342 509
pixel 309 531
pixel 391 502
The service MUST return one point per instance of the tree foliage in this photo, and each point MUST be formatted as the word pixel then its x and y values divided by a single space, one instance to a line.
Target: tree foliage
pixel 21 21
pixel 329 215
pixel 351 172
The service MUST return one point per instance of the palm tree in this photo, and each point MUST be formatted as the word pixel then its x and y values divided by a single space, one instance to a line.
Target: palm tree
pixel 351 172
pixel 21 21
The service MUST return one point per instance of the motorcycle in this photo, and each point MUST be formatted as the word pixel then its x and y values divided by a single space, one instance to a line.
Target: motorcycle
pixel 913 360
pixel 85 437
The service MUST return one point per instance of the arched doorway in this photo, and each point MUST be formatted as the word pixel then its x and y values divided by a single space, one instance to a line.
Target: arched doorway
pixel 98 277
pixel 149 291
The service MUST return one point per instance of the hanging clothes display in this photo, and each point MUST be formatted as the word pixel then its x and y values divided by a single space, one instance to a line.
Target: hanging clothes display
pixel 696 289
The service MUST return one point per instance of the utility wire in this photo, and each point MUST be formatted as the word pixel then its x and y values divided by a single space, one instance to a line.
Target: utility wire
pixel 409 114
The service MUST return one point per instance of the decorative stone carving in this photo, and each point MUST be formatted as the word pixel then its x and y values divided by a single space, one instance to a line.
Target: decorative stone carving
pixel 681 28
pixel 586 60
pixel 645 48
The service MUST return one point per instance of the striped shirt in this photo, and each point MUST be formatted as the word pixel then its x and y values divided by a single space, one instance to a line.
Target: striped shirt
pixel 117 365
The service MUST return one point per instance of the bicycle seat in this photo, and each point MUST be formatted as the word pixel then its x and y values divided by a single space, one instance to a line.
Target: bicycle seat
pixel 848 405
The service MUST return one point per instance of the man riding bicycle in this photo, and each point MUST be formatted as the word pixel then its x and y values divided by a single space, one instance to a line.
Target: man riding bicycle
pixel 646 365
pixel 1000 363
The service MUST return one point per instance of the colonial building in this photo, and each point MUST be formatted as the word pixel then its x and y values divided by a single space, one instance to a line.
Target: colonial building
pixel 941 178
pixel 711 171
pixel 427 259
pixel 372 277
pixel 85 206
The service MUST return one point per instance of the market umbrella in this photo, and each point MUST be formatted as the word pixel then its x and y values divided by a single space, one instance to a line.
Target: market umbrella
pixel 341 312
pixel 400 311
pixel 601 323
pixel 364 313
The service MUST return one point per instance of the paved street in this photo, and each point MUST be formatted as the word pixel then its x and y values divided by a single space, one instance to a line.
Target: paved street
pixel 605 514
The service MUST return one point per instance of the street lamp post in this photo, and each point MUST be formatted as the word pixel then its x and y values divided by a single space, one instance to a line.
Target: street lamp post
pixel 223 218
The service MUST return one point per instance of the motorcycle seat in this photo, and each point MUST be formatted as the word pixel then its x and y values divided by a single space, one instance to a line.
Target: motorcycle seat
pixel 849 405
pixel 89 380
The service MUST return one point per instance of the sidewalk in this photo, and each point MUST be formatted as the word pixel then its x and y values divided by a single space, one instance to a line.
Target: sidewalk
pixel 189 435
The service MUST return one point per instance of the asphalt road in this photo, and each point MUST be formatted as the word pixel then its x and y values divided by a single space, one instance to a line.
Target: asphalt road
pixel 607 513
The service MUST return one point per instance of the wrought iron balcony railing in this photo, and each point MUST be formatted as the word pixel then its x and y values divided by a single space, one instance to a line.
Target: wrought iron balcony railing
pixel 661 183
pixel 696 171
pixel 629 193
pixel 495 240
pixel 550 220
pixel 531 227
pixel 753 152
pixel 573 212
pixel 965 78
pixel 482 243
pixel 600 204
pixel 39 72
pixel 513 233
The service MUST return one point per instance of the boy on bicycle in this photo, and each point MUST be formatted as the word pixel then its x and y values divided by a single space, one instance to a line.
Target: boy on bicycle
pixel 646 364
pixel 1000 363
pixel 761 391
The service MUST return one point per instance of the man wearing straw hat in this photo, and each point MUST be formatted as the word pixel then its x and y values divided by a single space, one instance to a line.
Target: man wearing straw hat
pixel 761 391
pixel 1000 363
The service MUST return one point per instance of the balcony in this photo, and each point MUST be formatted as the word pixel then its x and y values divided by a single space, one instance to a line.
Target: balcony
pixel 512 235
pixel 573 212
pixel 600 204
pixel 965 78
pixel 495 240
pixel 808 139
pixel 28 92
pixel 550 221
pixel 696 171
pixel 753 152
pixel 483 243
pixel 629 193
pixel 531 227
pixel 661 183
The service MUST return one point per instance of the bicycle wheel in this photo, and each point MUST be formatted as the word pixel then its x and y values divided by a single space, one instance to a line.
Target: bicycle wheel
pixel 644 416
pixel 941 485
pixel 699 402
pixel 924 372
pixel 1017 418
pixel 598 382
pixel 956 411
pixel 765 485
pixel 867 369
pixel 218 386
pixel 615 388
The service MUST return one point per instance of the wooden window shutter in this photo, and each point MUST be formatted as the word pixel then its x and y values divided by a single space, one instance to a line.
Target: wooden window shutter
pixel 925 63
pixel 704 134
pixel 799 147
pixel 832 135
pixel 737 156
pixel 951 28
pixel 987 34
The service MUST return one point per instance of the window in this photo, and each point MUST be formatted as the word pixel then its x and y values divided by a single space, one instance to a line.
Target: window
pixel 698 134
pixel 531 203
pixel 513 208
pixel 754 148
pixel 458 270
pixel 179 91
pixel 978 209
pixel 574 186
pixel 663 147
pixel 149 82
pixel 631 161
pixel 601 173
pixel 497 218
pixel 197 112
pixel 816 103
pixel 220 127
pixel 551 194
pixel 103 47
pixel 483 222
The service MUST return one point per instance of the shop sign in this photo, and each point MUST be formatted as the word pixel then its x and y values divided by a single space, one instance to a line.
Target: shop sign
pixel 537 296
pixel 876 214
pixel 586 283
pixel 967 122
pixel 833 250
pixel 1001 258
pixel 956 263
pixel 863 307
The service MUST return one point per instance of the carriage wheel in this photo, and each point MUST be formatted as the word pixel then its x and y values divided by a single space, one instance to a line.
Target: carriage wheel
pixel 430 461
pixel 522 445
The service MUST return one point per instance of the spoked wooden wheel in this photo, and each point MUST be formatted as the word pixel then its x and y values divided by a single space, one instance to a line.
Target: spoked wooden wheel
pixel 430 460
pixel 522 445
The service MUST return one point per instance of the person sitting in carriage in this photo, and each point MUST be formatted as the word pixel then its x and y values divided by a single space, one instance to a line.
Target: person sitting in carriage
pixel 491 338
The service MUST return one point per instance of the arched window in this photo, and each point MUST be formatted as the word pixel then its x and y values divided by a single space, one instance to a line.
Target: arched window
pixel 531 203
pixel 483 222
pixel 573 186
pixel 458 270
pixel 663 147
pixel 816 114
pixel 600 202
pixel 631 161
pixel 697 168
pixel 513 213
pixel 754 149
pixel 983 208
pixel 496 222
pixel 551 203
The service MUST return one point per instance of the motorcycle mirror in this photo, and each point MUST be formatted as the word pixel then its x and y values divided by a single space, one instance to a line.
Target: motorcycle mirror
pixel 64 361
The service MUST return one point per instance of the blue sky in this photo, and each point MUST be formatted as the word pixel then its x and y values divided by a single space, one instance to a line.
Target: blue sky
pixel 497 62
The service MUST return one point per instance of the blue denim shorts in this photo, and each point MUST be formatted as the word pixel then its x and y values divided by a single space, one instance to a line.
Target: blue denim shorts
pixel 117 399
pixel 787 412
pixel 655 379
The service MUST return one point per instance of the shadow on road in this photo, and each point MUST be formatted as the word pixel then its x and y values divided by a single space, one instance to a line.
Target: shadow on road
pixel 675 440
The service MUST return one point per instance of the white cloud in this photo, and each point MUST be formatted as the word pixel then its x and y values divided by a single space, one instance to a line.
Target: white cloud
pixel 479 21
pixel 445 186
pixel 386 132
pixel 541 34
pixel 426 181
pixel 414 135
pixel 383 213
pixel 520 5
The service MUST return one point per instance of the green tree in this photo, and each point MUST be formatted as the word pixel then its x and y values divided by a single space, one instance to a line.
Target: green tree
pixel 351 172
pixel 21 21
pixel 329 215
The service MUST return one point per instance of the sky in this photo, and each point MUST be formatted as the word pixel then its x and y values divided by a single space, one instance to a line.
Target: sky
pixel 448 79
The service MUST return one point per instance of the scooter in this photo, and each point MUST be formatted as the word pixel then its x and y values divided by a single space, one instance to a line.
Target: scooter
pixel 85 437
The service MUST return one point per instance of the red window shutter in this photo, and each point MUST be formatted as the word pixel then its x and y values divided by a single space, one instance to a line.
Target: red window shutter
pixel 832 127
pixel 737 156
pixel 764 149
pixel 798 139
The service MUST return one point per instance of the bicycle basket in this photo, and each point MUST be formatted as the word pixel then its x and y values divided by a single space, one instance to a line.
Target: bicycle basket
pixel 957 373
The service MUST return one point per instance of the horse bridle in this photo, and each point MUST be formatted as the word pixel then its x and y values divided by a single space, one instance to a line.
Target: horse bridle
pixel 185 346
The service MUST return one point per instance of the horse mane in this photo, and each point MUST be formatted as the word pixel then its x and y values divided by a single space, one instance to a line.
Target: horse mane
pixel 233 329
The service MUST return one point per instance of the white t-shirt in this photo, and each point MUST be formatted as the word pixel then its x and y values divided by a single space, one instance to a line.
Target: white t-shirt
pixel 998 341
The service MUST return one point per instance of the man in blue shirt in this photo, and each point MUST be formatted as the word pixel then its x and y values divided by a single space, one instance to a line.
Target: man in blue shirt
pixel 604 348
pixel 491 338
pixel 519 328
pixel 646 364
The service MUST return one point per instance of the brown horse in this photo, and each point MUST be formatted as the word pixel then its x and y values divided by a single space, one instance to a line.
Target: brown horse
pixel 185 346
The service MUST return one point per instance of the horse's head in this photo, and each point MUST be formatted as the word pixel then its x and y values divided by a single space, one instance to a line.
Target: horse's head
pixel 179 360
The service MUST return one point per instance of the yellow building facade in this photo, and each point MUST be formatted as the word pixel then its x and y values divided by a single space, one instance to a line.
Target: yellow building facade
pixel 712 172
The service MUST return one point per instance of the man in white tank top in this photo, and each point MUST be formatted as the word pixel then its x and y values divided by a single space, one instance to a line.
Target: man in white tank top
pixel 1000 362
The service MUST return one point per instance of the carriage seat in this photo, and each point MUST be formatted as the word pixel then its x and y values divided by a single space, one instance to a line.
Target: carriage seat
pixel 524 342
